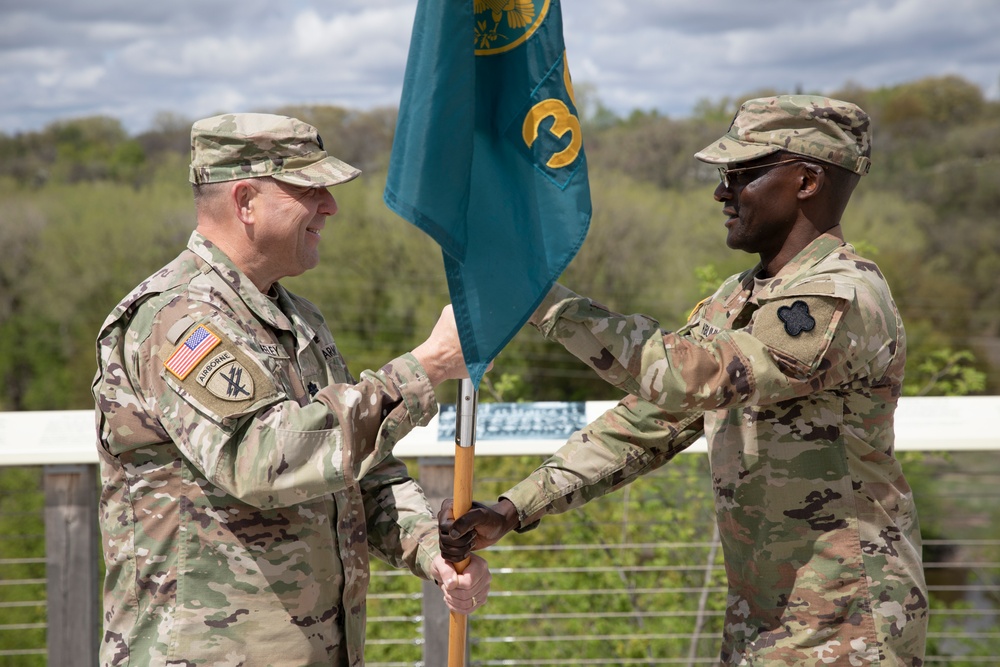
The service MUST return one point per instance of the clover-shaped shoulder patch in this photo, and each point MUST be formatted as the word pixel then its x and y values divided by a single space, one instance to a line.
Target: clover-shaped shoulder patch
pixel 798 330
pixel 796 318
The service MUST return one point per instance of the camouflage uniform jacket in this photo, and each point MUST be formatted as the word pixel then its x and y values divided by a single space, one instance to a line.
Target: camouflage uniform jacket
pixel 241 499
pixel 794 380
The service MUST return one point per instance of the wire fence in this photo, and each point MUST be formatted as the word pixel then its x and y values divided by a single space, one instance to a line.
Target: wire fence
pixel 592 587
pixel 634 578
pixel 23 580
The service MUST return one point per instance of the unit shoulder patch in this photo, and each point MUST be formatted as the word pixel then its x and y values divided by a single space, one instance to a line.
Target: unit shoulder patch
pixel 796 318
pixel 219 376
pixel 797 328
pixel 226 378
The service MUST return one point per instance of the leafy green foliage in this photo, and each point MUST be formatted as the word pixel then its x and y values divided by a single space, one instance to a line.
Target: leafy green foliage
pixel 85 245
pixel 90 211
pixel 947 372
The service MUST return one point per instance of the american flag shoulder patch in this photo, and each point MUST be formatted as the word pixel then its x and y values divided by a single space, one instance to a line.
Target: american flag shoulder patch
pixel 195 347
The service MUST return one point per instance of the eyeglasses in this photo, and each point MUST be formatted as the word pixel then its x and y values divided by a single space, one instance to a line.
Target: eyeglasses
pixel 725 174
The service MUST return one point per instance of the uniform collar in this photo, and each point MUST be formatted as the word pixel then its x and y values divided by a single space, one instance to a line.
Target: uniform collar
pixel 258 302
pixel 821 247
pixel 818 250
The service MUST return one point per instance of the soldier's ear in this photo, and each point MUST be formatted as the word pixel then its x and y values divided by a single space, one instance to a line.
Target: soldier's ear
pixel 241 196
pixel 812 178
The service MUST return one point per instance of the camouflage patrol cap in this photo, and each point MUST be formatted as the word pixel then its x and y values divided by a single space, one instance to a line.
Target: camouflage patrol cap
pixel 818 127
pixel 250 145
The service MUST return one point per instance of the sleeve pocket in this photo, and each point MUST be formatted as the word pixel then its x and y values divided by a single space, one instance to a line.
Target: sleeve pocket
pixel 798 329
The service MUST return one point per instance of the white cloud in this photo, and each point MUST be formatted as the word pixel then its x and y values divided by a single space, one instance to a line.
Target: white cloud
pixel 193 57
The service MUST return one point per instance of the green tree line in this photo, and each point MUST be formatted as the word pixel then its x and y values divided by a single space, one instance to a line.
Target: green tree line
pixel 88 210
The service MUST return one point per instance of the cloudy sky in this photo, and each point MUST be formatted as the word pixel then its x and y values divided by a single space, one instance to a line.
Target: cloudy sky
pixel 132 59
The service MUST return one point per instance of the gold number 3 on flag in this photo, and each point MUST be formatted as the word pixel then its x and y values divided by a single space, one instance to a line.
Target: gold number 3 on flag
pixel 564 122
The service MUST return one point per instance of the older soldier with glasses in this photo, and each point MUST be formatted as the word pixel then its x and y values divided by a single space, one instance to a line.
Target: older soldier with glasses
pixel 792 371
pixel 247 474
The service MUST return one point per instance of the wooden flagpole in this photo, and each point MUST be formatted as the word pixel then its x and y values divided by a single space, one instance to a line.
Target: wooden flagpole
pixel 465 450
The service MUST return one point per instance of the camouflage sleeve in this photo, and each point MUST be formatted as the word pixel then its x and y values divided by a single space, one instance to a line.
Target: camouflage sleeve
pixel 260 445
pixel 791 347
pixel 630 440
pixel 402 529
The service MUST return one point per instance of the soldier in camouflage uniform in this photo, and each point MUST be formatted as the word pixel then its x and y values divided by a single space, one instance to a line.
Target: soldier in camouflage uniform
pixel 792 371
pixel 247 475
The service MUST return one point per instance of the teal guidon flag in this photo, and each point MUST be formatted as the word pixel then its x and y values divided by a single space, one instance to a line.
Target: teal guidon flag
pixel 488 160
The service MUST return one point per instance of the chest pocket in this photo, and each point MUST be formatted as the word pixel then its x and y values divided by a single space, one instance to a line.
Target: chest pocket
pixel 715 314
pixel 322 365
pixel 304 373
pixel 279 350
pixel 333 362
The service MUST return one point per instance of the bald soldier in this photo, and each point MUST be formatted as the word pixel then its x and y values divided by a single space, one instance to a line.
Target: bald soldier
pixel 247 475
pixel 792 371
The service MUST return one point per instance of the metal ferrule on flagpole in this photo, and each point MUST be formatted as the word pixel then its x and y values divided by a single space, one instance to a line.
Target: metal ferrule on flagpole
pixel 465 414
pixel 465 446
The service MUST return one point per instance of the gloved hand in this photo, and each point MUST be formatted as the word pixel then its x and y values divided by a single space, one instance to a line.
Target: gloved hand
pixel 482 526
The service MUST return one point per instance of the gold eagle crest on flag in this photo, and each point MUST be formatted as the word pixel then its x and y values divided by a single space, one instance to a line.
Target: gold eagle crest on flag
pixel 502 25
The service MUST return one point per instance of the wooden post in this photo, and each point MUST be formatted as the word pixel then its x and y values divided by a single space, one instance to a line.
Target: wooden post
pixel 71 552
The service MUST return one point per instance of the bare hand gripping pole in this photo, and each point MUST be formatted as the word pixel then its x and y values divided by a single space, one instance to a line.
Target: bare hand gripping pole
pixel 465 450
